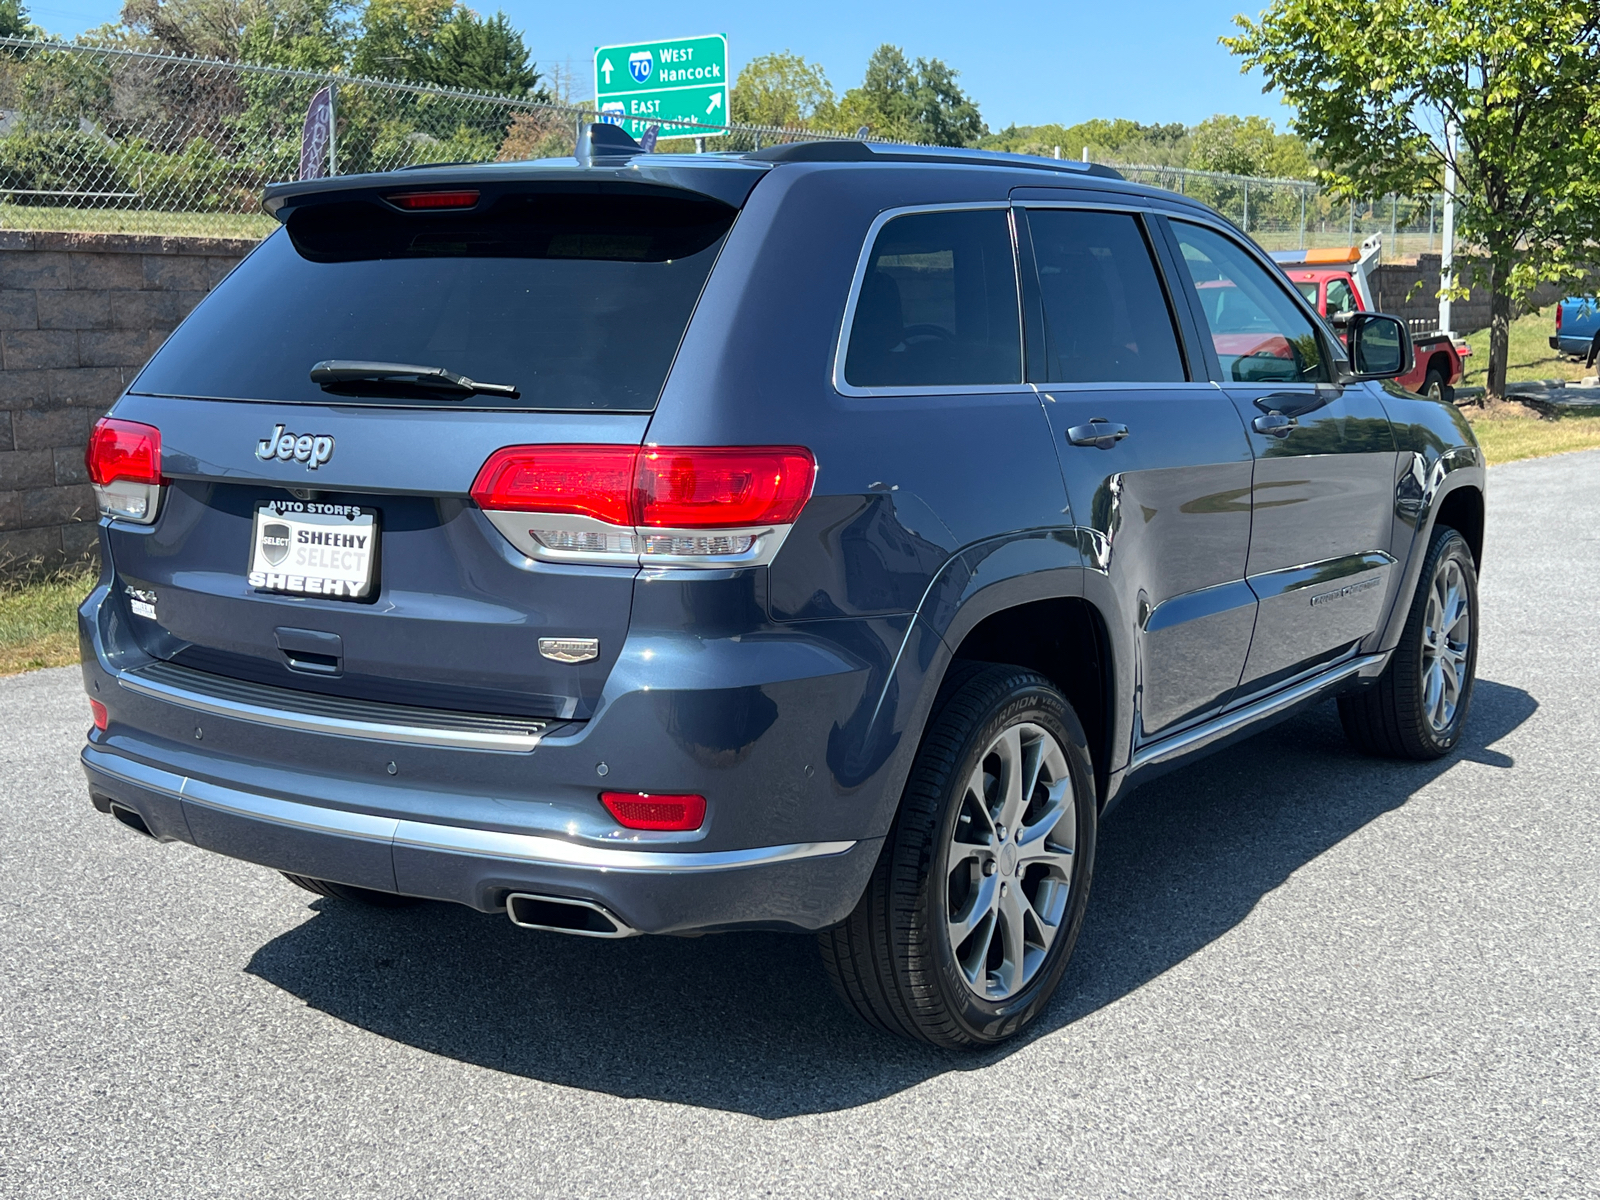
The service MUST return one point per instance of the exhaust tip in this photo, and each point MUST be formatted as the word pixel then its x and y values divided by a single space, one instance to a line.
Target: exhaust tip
pixel 561 914
pixel 130 818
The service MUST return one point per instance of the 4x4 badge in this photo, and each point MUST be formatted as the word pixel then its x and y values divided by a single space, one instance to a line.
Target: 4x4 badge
pixel 311 449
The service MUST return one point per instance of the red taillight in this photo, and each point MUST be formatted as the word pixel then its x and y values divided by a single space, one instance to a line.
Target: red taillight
pixel 430 200
pixel 726 487
pixel 123 450
pixel 648 810
pixel 1559 307
pixel 100 718
pixel 662 487
pixel 584 481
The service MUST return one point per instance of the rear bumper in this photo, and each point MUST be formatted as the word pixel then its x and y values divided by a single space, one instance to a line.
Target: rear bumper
pixel 1572 345
pixel 799 885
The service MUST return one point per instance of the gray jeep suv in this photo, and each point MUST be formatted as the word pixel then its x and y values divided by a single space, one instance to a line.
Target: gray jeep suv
pixel 818 539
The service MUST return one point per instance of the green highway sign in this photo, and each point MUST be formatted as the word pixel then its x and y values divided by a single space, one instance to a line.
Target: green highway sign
pixel 667 83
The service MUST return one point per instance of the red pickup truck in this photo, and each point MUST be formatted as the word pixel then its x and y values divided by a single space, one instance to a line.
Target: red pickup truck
pixel 1339 281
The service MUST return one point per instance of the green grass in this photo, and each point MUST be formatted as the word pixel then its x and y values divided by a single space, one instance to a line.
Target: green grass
pixel 1530 356
pixel 39 621
pixel 1508 438
pixel 40 218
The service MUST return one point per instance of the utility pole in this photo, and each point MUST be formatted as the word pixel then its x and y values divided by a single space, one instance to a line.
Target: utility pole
pixel 1447 258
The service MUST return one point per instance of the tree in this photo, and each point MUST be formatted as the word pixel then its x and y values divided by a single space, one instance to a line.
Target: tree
pixel 780 89
pixel 202 28
pixel 1375 81
pixel 481 56
pixel 308 35
pixel 912 102
pixel 14 20
pixel 445 43
pixel 1248 146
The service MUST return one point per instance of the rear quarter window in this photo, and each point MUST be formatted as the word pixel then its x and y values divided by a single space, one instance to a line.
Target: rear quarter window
pixel 937 304
pixel 578 299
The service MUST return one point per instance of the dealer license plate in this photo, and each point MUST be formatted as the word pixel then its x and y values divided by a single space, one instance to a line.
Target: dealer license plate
pixel 310 549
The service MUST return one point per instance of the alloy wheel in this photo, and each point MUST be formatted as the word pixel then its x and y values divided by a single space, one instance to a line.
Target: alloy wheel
pixel 1446 645
pixel 1009 861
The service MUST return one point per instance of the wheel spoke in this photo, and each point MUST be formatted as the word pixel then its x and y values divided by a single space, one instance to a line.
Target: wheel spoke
pixel 1009 975
pixel 1013 767
pixel 979 905
pixel 1036 844
pixel 977 807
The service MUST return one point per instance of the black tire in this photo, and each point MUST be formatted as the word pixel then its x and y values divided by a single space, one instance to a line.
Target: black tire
pixel 1392 717
pixel 892 960
pixel 346 891
pixel 1435 388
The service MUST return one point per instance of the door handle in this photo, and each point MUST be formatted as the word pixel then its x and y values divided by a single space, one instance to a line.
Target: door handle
pixel 1275 424
pixel 1099 433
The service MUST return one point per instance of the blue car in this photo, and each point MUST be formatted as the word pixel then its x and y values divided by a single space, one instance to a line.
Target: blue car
pixel 820 539
pixel 1577 321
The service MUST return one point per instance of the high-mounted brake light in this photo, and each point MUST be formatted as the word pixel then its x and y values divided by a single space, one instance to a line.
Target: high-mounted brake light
pixel 124 462
pixel 650 810
pixel 416 201
pixel 674 505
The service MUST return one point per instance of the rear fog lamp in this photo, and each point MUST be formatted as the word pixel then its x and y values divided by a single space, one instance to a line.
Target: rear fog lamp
pixel 655 811
pixel 124 463
pixel 100 717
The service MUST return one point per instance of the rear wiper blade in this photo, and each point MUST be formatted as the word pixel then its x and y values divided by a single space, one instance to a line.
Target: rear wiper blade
pixel 339 374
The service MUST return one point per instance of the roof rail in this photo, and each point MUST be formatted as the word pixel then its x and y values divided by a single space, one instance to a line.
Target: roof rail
pixel 855 151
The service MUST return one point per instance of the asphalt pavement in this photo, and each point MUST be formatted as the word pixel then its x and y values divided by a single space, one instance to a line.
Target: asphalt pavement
pixel 1304 974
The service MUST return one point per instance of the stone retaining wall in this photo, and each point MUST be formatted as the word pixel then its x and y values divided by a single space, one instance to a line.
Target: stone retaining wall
pixel 79 315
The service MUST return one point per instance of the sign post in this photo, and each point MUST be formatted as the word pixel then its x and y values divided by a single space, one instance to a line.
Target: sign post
pixel 672 83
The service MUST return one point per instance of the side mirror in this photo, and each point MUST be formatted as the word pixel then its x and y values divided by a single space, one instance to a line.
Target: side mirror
pixel 1340 320
pixel 1380 346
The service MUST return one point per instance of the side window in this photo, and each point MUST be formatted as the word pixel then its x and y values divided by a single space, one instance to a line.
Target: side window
pixel 1308 289
pixel 1106 317
pixel 1259 334
pixel 1341 299
pixel 938 304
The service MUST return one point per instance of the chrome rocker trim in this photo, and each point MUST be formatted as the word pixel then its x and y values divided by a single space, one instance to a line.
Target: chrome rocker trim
pixel 453 839
pixel 516 740
pixel 1230 723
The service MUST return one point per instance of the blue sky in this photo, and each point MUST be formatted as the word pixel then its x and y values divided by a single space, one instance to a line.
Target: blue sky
pixel 1067 61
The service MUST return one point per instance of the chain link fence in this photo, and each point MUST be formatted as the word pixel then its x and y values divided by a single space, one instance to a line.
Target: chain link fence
pixel 1294 214
pixel 118 141
pixel 121 141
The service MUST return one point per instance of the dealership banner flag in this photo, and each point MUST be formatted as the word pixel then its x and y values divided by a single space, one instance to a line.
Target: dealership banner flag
pixel 317 135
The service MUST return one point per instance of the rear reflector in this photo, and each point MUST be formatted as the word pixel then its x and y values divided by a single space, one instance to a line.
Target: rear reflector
pixel 123 450
pixel 100 718
pixel 649 810
pixel 433 200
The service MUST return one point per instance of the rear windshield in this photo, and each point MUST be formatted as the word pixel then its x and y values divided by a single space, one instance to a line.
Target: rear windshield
pixel 577 299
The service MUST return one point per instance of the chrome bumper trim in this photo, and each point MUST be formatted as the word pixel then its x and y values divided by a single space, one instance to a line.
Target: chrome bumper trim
pixel 283 718
pixel 451 839
pixel 1228 723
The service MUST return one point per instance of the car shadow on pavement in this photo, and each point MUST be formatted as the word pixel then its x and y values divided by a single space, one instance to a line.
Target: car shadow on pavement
pixel 748 1023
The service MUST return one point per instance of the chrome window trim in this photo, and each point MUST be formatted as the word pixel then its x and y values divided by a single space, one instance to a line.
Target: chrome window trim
pixel 842 345
pixel 538 849
pixel 283 718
